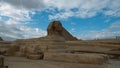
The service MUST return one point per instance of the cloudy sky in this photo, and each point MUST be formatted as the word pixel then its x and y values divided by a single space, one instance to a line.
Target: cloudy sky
pixel 84 19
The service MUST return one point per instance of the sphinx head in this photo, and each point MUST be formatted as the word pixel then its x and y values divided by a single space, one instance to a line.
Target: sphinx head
pixel 55 28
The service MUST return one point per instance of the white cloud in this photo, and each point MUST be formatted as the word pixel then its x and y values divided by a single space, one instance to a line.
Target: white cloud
pixel 98 35
pixel 14 13
pixel 62 4
pixel 85 8
pixel 8 30
pixel 17 14
pixel 113 12
pixel 73 23
pixel 115 26
pixel 72 30
pixel 27 4
pixel 61 15
pixel 111 32
pixel 15 30
pixel 32 32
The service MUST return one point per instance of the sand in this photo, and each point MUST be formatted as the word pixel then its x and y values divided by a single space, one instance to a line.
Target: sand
pixel 21 62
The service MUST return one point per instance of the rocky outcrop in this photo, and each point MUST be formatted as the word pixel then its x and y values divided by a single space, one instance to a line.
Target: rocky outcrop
pixel 55 29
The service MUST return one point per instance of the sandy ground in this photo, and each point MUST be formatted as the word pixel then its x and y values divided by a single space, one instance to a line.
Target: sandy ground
pixel 21 62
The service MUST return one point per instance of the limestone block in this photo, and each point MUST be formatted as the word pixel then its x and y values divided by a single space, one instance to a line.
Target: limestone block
pixel 19 54
pixel 78 58
pixel 33 49
pixel 35 57
pixel 12 49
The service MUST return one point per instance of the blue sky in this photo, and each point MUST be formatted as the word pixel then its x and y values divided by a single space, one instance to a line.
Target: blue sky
pixel 84 19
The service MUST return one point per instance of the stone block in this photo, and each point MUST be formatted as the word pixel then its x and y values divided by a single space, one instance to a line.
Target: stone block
pixel 77 58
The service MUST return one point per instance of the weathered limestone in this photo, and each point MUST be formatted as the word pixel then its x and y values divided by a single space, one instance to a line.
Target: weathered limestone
pixel 35 57
pixel 55 29
pixel 30 51
pixel 78 58
pixel 2 64
pixel 1 61
pixel 34 52
pixel 22 50
pixel 12 49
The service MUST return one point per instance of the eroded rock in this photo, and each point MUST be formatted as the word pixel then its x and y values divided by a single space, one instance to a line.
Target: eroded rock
pixel 55 29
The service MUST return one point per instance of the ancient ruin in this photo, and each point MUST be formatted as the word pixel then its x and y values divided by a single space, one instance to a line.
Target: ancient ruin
pixel 56 29
pixel 60 45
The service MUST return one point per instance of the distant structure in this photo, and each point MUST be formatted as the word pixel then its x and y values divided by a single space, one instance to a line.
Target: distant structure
pixel 55 28
pixel 117 37
pixel 1 39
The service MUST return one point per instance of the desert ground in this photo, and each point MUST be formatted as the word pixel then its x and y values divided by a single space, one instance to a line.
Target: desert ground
pixel 21 62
